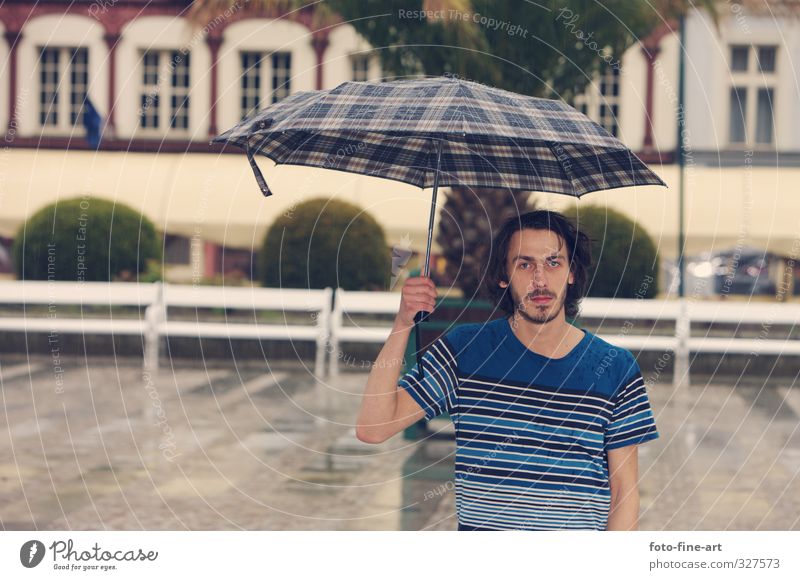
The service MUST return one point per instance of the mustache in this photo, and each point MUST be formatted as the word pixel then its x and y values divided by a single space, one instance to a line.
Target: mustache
pixel 540 294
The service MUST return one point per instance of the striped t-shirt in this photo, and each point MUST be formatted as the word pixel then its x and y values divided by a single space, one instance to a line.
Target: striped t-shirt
pixel 532 432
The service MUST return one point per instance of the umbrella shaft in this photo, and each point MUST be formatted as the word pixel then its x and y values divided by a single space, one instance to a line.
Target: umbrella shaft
pixel 426 265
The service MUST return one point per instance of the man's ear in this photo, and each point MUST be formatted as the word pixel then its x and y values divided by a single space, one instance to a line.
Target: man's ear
pixel 571 278
pixel 503 284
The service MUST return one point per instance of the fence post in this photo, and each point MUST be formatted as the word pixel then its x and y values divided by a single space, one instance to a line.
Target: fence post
pixel 683 325
pixel 323 335
pixel 154 315
pixel 333 338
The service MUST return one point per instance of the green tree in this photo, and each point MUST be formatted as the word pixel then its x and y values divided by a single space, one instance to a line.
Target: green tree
pixel 86 239
pixel 625 261
pixel 322 243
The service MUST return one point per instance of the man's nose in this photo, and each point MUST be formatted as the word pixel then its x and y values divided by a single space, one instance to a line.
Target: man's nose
pixel 538 276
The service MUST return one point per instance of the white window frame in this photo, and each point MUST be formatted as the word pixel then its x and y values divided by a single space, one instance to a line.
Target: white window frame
pixel 165 92
pixel 267 92
pixel 64 90
pixel 752 81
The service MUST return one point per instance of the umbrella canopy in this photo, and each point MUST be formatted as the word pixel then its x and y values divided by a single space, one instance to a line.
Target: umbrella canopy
pixel 488 137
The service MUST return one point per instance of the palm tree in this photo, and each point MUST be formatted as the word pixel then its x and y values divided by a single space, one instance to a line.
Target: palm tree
pixel 469 220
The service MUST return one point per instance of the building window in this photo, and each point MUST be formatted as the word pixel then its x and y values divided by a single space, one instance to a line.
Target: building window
pixel 179 100
pixel 254 91
pixel 608 113
pixel 148 118
pixel 165 79
pixel 764 116
pixel 234 262
pixel 751 117
pixel 360 67
pixel 601 101
pixel 738 108
pixel 766 58
pixel 63 86
pixel 177 250
pixel 251 83
pixel 281 75
pixel 739 58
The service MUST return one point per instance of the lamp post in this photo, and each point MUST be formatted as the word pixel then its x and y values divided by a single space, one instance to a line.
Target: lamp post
pixel 682 326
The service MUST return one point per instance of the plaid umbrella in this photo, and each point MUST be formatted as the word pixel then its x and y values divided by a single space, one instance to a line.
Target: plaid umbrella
pixel 489 137
pixel 440 132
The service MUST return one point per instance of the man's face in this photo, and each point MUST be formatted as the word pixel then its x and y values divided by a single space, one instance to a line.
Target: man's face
pixel 538 267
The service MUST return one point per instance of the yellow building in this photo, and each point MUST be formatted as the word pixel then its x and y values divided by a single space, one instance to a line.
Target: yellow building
pixel 742 141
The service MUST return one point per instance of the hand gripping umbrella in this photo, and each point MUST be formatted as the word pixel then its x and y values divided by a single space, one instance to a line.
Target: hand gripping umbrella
pixel 436 132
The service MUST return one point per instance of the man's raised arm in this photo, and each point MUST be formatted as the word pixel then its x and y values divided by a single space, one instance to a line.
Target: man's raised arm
pixel 386 408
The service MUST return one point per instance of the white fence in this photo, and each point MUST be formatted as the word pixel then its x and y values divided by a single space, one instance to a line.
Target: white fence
pixel 156 298
pixel 679 313
pixel 349 302
pixel 327 320
pixel 738 313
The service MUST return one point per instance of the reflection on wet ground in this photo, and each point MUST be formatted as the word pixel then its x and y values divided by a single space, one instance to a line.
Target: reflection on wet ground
pixel 267 447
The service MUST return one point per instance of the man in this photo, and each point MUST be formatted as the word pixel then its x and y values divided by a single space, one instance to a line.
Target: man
pixel 547 416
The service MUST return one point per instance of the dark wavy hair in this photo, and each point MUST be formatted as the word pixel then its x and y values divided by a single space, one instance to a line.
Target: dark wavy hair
pixel 579 254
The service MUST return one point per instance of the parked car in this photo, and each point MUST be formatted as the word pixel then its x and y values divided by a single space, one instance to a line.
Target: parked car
pixel 742 271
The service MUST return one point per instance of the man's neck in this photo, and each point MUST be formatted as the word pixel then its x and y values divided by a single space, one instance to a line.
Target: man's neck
pixel 552 339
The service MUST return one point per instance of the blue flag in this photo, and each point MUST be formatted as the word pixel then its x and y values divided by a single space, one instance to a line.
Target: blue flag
pixel 93 124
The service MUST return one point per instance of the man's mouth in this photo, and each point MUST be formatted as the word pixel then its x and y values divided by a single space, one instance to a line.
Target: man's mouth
pixel 540 299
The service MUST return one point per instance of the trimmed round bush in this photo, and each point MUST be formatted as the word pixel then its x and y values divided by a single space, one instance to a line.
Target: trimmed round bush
pixel 624 256
pixel 323 242
pixel 85 239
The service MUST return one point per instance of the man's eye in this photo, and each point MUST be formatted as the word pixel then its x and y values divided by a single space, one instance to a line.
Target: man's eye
pixel 524 265
pixel 554 263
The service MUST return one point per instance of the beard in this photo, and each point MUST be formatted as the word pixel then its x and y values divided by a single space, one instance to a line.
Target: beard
pixel 526 308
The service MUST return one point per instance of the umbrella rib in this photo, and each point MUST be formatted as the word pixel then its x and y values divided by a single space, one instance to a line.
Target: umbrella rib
pixel 564 168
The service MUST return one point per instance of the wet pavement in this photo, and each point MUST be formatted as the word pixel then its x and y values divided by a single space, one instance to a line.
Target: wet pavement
pixel 228 446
